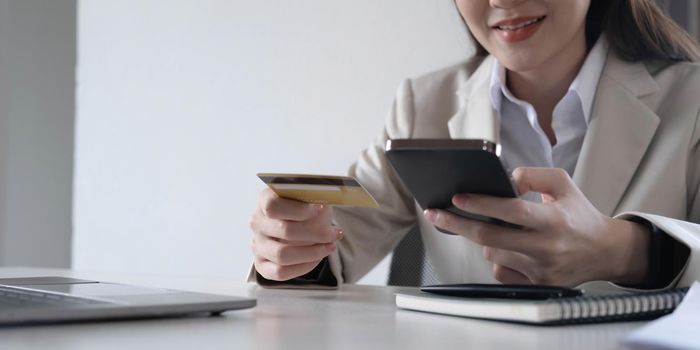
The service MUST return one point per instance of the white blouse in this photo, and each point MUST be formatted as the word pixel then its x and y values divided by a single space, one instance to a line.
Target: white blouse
pixel 523 142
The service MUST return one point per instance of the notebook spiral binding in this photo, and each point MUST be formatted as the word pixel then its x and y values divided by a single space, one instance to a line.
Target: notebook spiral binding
pixel 619 307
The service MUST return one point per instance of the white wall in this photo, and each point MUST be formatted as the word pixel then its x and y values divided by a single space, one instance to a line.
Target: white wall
pixel 180 104
pixel 37 94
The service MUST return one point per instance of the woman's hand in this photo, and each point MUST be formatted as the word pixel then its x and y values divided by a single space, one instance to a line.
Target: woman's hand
pixel 567 241
pixel 290 238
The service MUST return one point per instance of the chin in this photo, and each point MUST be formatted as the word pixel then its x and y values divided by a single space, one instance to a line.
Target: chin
pixel 519 62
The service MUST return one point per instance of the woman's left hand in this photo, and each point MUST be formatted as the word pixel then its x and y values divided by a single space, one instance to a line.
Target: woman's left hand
pixel 566 240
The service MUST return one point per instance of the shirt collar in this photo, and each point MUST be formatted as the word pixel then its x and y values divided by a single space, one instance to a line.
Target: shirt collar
pixel 584 85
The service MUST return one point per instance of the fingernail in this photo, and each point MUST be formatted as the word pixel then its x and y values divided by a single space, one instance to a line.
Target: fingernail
pixel 460 199
pixel 339 234
pixel 430 214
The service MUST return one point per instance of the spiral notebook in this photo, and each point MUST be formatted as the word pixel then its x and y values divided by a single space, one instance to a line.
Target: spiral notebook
pixel 582 309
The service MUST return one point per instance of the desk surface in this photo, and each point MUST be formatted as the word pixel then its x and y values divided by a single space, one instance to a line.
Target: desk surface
pixel 353 317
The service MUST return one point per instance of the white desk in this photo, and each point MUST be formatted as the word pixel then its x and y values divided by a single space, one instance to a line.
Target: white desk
pixel 353 317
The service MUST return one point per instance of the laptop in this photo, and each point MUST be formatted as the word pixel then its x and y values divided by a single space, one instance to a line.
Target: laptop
pixel 60 299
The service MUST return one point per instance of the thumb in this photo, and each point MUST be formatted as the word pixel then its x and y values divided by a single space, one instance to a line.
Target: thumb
pixel 552 183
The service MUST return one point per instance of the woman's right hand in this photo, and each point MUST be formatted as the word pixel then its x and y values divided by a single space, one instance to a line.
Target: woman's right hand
pixel 290 238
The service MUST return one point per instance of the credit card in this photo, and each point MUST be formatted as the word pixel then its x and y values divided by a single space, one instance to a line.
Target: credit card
pixel 320 189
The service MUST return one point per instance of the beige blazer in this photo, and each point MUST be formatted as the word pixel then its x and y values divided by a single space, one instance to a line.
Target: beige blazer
pixel 640 157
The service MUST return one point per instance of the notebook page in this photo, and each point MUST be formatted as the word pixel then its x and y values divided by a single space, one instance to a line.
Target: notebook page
pixel 678 330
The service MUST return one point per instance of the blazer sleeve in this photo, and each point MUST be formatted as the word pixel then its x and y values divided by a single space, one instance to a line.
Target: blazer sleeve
pixel 685 233
pixel 370 234
pixel 686 242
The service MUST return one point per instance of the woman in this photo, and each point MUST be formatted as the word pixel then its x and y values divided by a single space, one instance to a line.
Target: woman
pixel 594 101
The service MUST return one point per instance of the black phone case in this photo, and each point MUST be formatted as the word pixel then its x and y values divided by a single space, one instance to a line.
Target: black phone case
pixel 435 170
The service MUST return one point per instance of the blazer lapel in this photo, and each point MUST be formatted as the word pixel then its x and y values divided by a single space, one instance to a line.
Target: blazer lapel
pixel 621 128
pixel 476 118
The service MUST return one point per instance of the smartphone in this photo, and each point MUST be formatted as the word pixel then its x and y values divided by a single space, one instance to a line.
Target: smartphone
pixel 434 170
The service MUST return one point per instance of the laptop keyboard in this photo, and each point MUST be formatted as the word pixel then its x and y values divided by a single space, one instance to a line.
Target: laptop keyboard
pixel 12 298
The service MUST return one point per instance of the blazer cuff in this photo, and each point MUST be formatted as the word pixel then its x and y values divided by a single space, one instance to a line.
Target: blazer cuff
pixel 668 255
pixel 323 276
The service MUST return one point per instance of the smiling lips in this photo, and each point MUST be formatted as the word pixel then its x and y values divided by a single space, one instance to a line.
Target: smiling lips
pixel 518 29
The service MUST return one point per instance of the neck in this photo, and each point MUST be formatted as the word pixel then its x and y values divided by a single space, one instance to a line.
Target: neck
pixel 546 85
